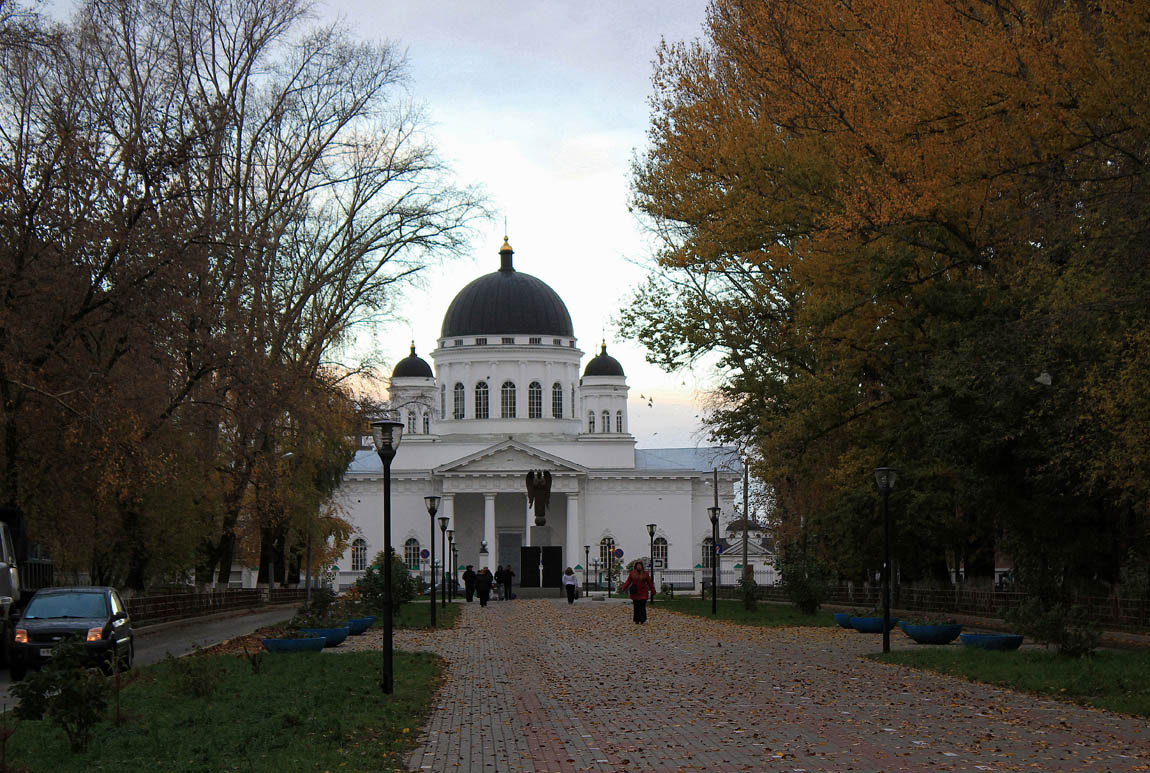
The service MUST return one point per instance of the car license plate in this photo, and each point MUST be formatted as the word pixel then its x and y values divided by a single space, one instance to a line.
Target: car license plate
pixel 46 652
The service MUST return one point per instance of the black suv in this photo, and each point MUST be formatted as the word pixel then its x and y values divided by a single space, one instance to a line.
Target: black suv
pixel 97 616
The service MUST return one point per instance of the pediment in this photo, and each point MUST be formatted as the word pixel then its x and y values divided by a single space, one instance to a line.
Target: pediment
pixel 509 456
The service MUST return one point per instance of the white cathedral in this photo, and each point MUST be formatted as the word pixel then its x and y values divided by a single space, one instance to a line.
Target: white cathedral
pixel 506 396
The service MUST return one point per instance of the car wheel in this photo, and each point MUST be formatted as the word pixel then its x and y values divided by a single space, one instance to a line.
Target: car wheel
pixel 131 655
pixel 16 673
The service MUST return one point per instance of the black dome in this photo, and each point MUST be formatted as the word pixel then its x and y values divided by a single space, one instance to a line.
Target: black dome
pixel 507 302
pixel 603 364
pixel 412 366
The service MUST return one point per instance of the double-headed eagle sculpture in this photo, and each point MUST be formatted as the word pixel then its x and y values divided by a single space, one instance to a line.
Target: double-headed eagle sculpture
pixel 539 494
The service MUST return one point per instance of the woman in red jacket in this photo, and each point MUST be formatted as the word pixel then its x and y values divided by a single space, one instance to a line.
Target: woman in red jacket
pixel 642 588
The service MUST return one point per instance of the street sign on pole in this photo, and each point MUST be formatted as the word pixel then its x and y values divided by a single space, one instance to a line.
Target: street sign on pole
pixel 425 553
pixel 618 552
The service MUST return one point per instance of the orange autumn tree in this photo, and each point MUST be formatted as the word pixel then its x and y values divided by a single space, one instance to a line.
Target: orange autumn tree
pixel 913 233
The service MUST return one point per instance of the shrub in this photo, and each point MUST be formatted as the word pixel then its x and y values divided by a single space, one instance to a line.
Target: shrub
pixel 748 590
pixel 66 693
pixel 370 586
pixel 1068 627
pixel 805 582
pixel 193 675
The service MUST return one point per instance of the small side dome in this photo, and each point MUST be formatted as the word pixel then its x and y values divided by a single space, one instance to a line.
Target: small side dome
pixel 603 364
pixel 412 366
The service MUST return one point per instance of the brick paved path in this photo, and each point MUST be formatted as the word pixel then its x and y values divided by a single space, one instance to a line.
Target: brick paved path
pixel 543 686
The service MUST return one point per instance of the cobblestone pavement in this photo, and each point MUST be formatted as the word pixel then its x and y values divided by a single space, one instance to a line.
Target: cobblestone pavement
pixel 543 686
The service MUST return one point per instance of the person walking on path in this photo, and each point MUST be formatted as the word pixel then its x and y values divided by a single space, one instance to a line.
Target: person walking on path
pixel 642 587
pixel 569 583
pixel 469 582
pixel 499 582
pixel 508 576
pixel 483 583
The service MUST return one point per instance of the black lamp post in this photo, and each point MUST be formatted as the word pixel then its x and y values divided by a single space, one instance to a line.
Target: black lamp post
pixel 598 576
pixel 432 503
pixel 387 433
pixel 651 556
pixel 451 557
pixel 885 478
pixel 454 570
pixel 610 566
pixel 443 519
pixel 714 513
pixel 586 566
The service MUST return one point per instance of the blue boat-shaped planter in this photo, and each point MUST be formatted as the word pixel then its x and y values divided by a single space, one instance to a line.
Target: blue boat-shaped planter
pixel 294 645
pixel 333 637
pixel 357 625
pixel 843 619
pixel 992 641
pixel 870 624
pixel 940 633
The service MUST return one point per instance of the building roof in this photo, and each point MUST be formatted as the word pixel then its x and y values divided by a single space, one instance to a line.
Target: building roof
pixel 507 302
pixel 702 459
pixel 603 364
pixel 412 366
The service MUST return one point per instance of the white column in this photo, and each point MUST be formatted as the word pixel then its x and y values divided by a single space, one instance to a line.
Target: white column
pixel 528 523
pixel 574 545
pixel 489 529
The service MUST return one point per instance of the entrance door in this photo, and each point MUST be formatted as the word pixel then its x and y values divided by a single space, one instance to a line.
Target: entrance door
pixel 552 566
pixel 509 542
pixel 529 575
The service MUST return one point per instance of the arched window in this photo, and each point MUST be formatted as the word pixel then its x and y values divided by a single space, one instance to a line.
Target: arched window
pixel 573 401
pixel 535 400
pixel 557 400
pixel 482 402
pixel 412 416
pixel 606 546
pixel 443 401
pixel 427 423
pixel 606 421
pixel 590 421
pixel 659 557
pixel 507 400
pixel 619 421
pixel 708 552
pixel 457 407
pixel 411 553
pixel 358 555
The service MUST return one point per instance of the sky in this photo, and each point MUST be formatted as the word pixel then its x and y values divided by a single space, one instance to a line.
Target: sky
pixel 544 104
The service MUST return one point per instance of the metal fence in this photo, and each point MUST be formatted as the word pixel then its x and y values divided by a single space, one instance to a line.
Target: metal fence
pixel 1113 612
pixel 147 610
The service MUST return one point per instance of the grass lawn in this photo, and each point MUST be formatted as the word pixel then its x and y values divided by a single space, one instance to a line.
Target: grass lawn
pixel 770 615
pixel 419 616
pixel 1117 681
pixel 303 711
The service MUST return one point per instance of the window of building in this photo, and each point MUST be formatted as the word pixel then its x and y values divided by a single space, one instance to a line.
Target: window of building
pixel 443 401
pixel 708 552
pixel 572 401
pixel 507 400
pixel 459 342
pixel 411 553
pixel 535 400
pixel 457 408
pixel 606 546
pixel 507 340
pixel 358 555
pixel 411 419
pixel 619 421
pixel 427 423
pixel 557 400
pixel 590 421
pixel 481 342
pixel 482 401
pixel 659 554
pixel 606 421
pixel 571 344
pixel 535 341
pixel 557 341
